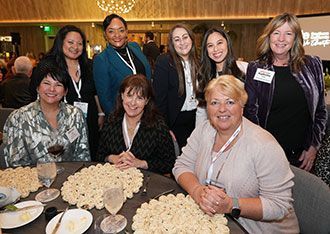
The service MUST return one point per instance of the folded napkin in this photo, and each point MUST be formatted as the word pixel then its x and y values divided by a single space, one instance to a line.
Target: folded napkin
pixel 8 196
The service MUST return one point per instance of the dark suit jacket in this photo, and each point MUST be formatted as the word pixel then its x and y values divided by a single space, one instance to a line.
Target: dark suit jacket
pixel 166 86
pixel 151 51
pixel 109 71
pixel 16 92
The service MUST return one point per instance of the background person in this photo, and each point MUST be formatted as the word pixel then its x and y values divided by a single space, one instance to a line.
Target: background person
pixel 217 59
pixel 150 49
pixel 135 135
pixel 15 91
pixel 286 94
pixel 236 166
pixel 69 55
pixel 120 59
pixel 29 130
pixel 175 83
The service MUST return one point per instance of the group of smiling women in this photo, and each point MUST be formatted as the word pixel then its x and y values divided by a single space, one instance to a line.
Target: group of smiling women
pixel 238 125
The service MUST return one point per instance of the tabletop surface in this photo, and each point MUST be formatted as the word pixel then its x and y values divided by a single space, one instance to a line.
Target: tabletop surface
pixel 157 184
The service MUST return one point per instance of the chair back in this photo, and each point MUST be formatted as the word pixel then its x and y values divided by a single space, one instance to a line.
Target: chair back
pixel 3 163
pixel 311 202
pixel 4 113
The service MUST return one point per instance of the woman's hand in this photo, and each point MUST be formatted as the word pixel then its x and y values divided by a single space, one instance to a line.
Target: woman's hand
pixel 215 200
pixel 100 121
pixel 126 160
pixel 308 158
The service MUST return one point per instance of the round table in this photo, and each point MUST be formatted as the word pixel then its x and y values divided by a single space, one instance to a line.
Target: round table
pixel 157 184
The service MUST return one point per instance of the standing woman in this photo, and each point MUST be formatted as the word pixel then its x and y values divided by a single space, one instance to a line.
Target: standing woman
pixel 120 59
pixel 175 83
pixel 286 91
pixel 69 55
pixel 217 59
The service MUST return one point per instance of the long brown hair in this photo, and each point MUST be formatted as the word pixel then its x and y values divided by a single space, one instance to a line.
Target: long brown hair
pixel 139 84
pixel 297 52
pixel 193 59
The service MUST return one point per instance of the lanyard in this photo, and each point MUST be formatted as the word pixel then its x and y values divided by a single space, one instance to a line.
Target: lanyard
pixel 132 67
pixel 223 148
pixel 77 88
pixel 126 136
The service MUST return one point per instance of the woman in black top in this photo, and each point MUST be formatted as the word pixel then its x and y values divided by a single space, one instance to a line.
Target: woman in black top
pixel 134 135
pixel 69 55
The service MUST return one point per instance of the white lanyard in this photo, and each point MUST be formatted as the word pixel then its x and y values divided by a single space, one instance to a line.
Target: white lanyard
pixel 79 83
pixel 132 67
pixel 223 148
pixel 126 136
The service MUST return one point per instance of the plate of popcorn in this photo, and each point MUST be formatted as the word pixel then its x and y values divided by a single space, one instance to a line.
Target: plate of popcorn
pixel 176 214
pixel 16 219
pixel 85 188
pixel 24 179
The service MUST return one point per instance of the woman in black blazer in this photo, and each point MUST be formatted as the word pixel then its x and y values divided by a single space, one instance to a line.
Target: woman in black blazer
pixel 175 83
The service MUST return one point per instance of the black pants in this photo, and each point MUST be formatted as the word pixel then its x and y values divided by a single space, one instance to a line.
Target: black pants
pixel 183 126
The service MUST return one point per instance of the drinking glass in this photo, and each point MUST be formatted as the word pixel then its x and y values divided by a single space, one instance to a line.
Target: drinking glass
pixel 56 149
pixel 113 199
pixel 46 169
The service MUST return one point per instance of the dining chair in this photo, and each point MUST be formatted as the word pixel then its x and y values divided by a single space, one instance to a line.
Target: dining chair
pixel 4 113
pixel 3 163
pixel 311 202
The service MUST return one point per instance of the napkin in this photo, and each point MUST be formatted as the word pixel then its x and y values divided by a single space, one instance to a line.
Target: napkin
pixel 8 196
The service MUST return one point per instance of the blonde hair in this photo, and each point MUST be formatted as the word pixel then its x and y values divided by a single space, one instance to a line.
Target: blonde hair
pixel 229 86
pixel 297 52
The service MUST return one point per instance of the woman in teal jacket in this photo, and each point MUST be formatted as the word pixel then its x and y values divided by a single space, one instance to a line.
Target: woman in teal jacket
pixel 120 59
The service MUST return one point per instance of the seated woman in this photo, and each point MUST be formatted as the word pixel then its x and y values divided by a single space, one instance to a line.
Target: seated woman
pixel 32 129
pixel 237 167
pixel 134 135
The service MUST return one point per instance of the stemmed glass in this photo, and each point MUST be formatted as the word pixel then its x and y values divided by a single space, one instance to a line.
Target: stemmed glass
pixel 56 149
pixel 46 169
pixel 113 198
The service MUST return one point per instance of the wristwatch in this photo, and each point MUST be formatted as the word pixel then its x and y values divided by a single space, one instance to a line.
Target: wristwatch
pixel 235 211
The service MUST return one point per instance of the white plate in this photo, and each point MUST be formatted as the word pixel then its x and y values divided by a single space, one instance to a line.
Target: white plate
pixel 20 218
pixel 75 221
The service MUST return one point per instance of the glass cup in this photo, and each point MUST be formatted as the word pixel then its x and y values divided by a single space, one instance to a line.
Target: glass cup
pixel 56 149
pixel 113 199
pixel 46 169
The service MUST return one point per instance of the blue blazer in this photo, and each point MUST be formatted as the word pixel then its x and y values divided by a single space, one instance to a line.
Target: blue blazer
pixel 109 71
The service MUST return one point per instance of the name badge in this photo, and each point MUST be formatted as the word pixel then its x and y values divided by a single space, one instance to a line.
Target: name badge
pixel 72 134
pixel 83 106
pixel 264 75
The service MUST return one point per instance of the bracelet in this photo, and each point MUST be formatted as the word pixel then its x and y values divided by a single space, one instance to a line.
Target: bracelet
pixel 101 114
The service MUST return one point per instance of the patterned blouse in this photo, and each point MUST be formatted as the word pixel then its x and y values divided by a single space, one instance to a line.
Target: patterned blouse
pixel 27 135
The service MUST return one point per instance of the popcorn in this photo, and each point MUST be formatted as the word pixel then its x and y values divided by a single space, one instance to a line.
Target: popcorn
pixel 24 179
pixel 85 188
pixel 176 214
